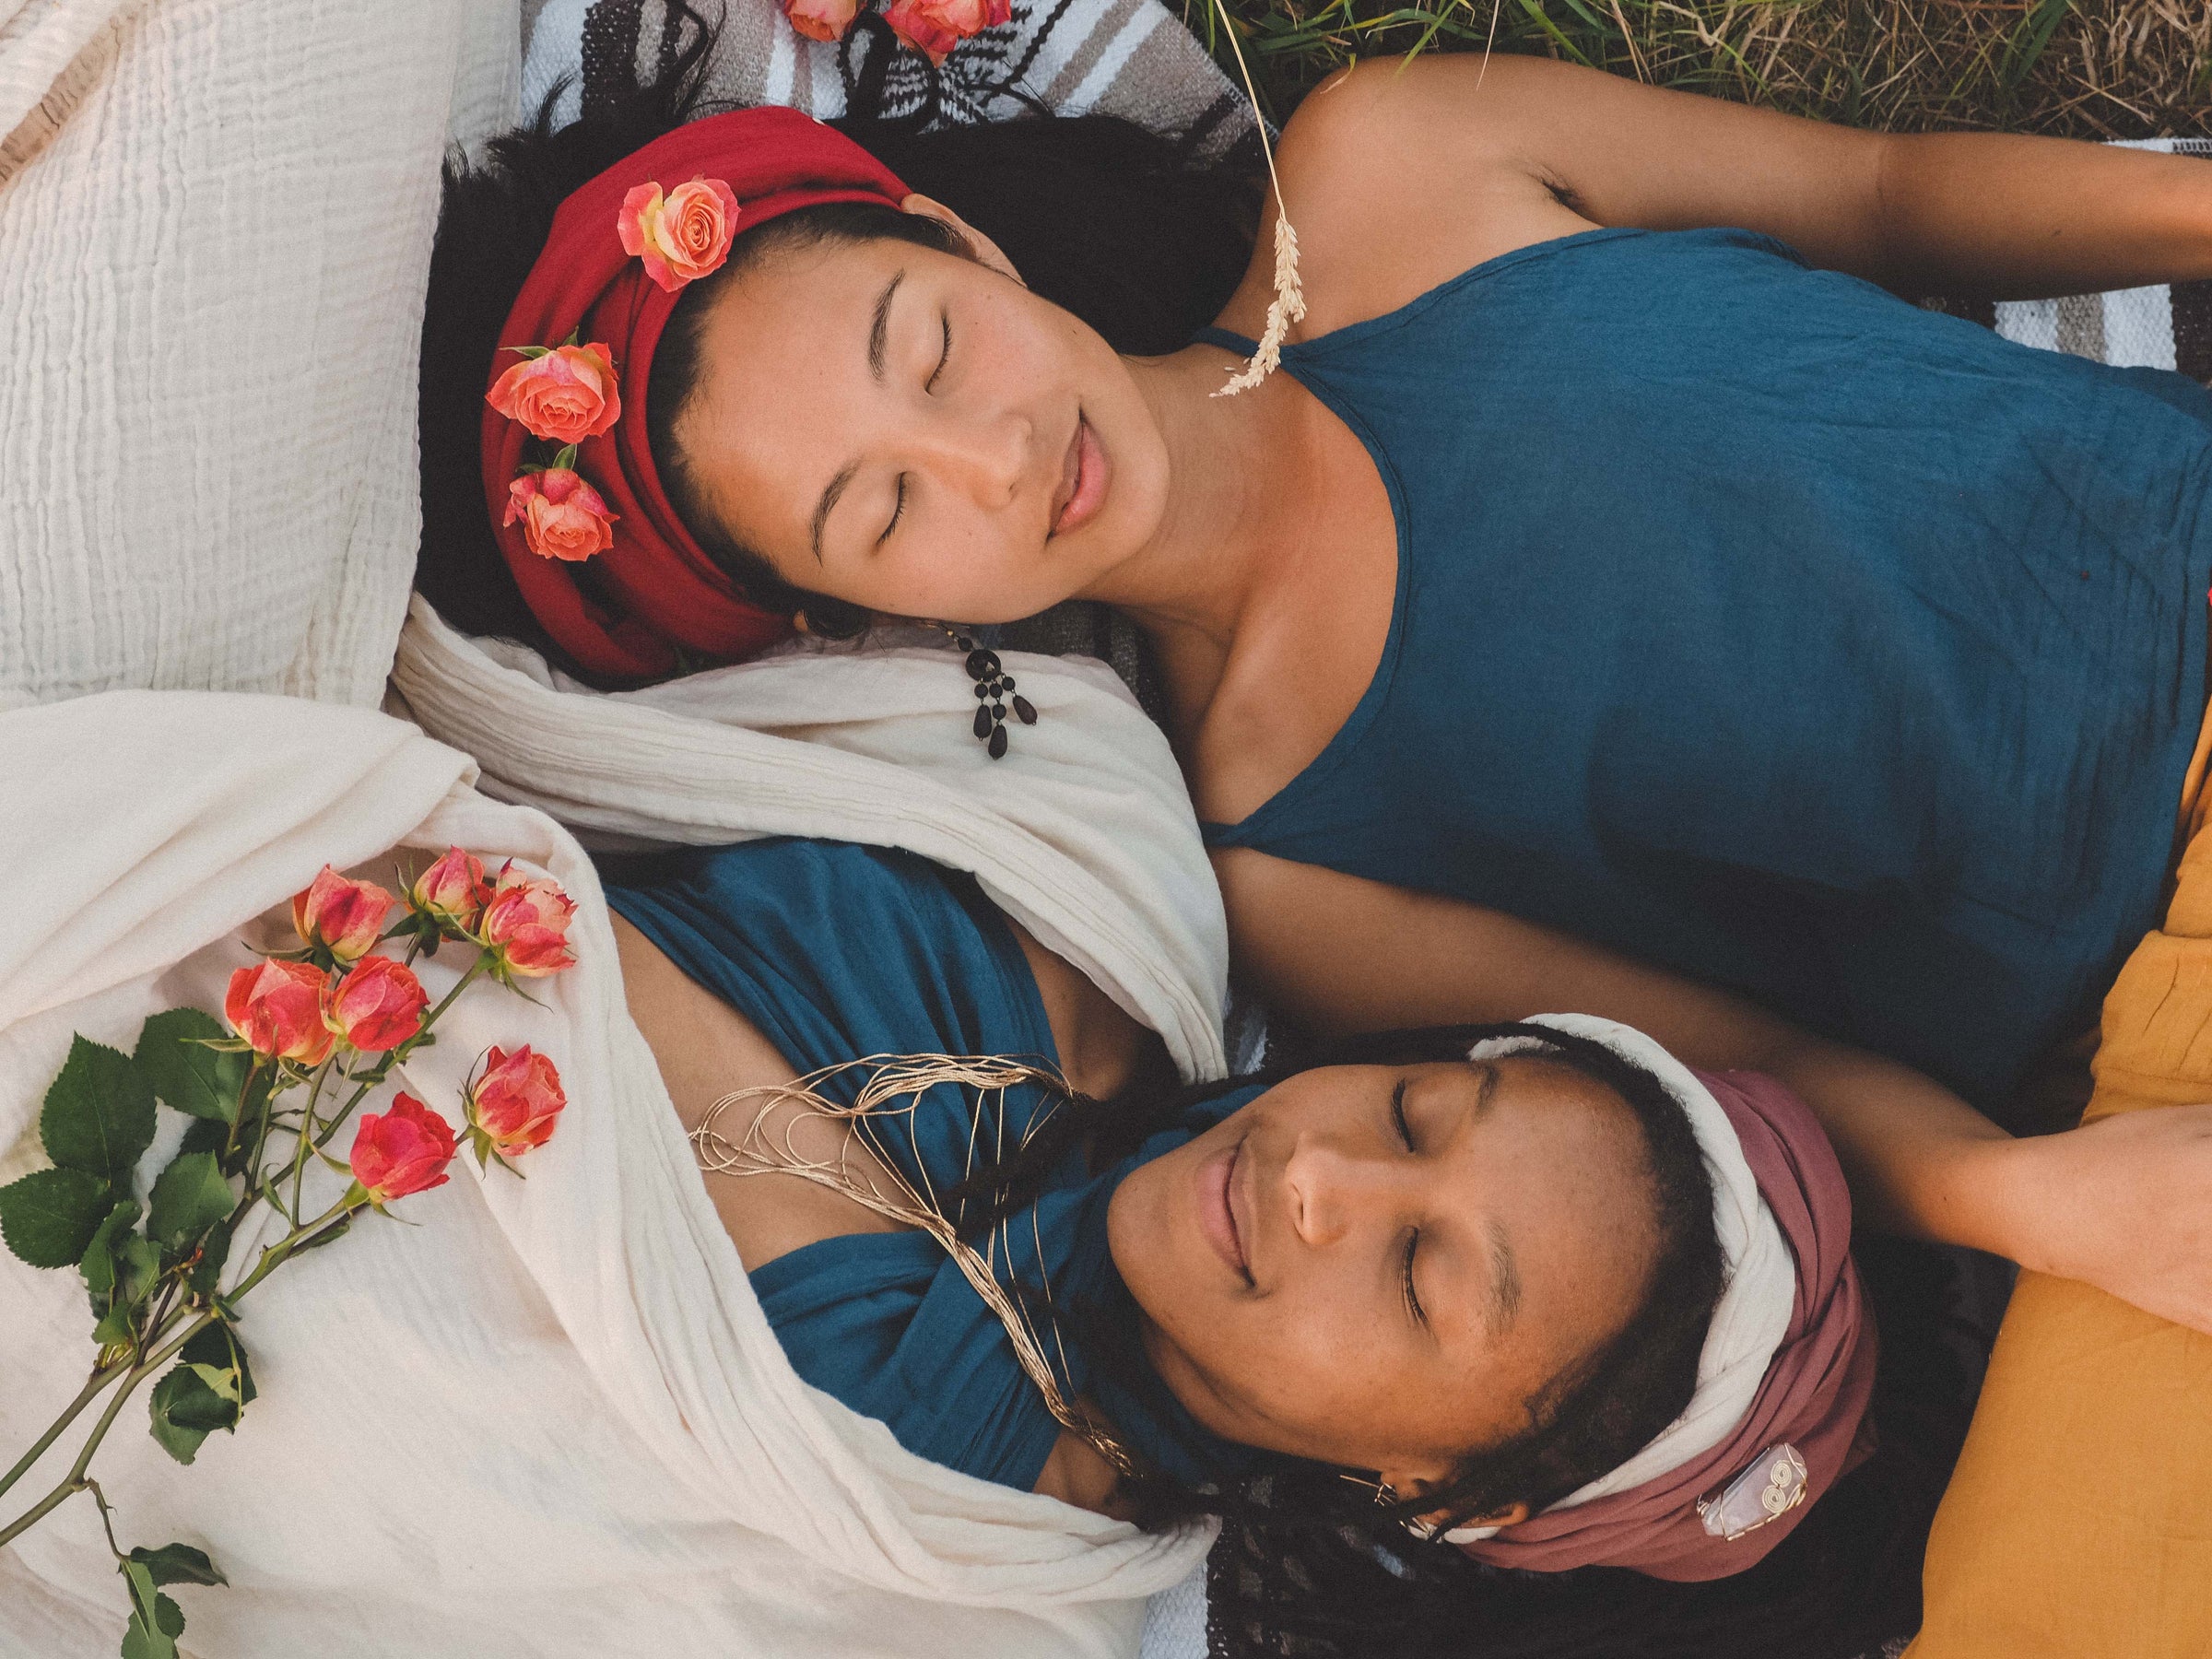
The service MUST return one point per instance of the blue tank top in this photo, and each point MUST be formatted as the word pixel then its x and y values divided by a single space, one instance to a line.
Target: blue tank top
pixel 836 952
pixel 1762 626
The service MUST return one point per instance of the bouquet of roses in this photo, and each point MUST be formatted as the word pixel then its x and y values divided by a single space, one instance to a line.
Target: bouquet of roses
pixel 312 1034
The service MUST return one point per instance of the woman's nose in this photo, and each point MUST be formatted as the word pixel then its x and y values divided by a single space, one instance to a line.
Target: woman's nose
pixel 1330 1185
pixel 983 457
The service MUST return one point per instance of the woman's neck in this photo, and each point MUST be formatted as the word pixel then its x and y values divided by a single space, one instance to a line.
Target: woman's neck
pixel 1233 512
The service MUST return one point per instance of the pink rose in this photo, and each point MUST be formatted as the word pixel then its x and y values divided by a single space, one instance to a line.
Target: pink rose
pixel 685 235
pixel 562 516
pixel 526 925
pixel 565 395
pixel 452 892
pixel 515 1104
pixel 935 27
pixel 404 1150
pixel 342 916
pixel 821 20
pixel 278 1008
pixel 376 1006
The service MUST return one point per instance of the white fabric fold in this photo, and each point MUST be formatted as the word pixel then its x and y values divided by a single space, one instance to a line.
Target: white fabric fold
pixel 1083 833
pixel 548 1418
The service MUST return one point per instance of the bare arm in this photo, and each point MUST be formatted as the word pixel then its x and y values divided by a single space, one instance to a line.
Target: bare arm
pixel 1480 153
pixel 2125 1205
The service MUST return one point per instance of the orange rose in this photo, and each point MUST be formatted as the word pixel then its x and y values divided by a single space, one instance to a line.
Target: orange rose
pixel 402 1151
pixel 376 1006
pixel 526 925
pixel 278 1008
pixel 565 394
pixel 935 27
pixel 513 1106
pixel 342 916
pixel 450 892
pixel 562 516
pixel 683 236
pixel 821 20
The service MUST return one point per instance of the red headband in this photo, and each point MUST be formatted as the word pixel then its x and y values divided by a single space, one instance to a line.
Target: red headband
pixel 632 598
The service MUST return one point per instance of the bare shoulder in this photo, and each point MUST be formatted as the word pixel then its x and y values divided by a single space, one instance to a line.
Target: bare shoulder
pixel 1400 175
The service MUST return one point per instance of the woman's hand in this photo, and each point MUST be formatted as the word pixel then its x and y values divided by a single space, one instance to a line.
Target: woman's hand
pixel 2124 1204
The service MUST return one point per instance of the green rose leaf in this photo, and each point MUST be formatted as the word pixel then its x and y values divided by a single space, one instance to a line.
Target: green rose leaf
pixel 49 1218
pixel 98 1264
pixel 199 1082
pixel 178 1564
pixel 189 1198
pixel 114 1327
pixel 100 1112
pixel 155 1624
pixel 186 1412
pixel 219 1347
pixel 204 1135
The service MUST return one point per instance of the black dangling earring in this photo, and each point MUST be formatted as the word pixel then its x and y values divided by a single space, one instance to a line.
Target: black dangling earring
pixel 994 691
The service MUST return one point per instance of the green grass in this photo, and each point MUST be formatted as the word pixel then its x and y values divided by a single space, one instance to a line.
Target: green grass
pixel 2083 68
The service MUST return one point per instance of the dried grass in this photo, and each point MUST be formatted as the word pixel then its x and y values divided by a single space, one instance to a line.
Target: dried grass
pixel 2080 69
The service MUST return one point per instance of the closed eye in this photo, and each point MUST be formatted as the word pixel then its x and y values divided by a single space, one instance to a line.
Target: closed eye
pixel 1413 1298
pixel 898 511
pixel 1413 1239
pixel 944 356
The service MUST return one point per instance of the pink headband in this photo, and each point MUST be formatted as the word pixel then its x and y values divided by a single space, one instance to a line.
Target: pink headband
pixel 601 557
pixel 1809 1404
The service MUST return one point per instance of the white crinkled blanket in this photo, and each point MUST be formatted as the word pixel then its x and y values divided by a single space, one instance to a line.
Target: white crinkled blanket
pixel 550 1418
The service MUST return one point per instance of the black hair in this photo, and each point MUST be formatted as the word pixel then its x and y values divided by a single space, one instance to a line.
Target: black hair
pixel 1581 1425
pixel 1136 234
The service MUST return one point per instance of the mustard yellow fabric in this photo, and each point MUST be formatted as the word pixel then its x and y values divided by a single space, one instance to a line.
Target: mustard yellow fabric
pixel 2078 1525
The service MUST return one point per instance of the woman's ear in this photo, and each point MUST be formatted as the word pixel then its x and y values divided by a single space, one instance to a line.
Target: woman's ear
pixel 986 250
pixel 1419 1485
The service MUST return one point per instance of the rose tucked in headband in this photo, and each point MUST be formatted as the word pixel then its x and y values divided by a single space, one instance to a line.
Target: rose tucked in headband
pixel 601 557
pixel 1788 1362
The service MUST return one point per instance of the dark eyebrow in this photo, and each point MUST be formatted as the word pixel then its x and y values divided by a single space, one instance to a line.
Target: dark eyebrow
pixel 821 508
pixel 880 329
pixel 1505 1280
pixel 1486 1091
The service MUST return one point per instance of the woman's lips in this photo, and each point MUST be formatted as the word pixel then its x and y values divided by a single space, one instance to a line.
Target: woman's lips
pixel 1217 1219
pixel 1083 480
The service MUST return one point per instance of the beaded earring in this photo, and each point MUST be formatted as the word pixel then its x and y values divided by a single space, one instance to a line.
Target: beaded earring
pixel 993 693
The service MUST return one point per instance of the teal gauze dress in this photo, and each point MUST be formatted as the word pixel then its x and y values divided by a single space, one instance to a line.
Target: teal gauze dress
pixel 837 952
pixel 1766 628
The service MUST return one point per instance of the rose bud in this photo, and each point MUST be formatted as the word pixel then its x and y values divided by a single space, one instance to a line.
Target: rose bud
pixel 515 1104
pixel 935 27
pixel 562 516
pixel 376 1006
pixel 278 1008
pixel 452 892
pixel 405 1150
pixel 526 925
pixel 342 916
pixel 563 395
pixel 681 237
pixel 821 20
